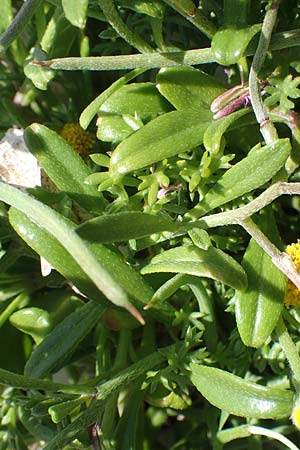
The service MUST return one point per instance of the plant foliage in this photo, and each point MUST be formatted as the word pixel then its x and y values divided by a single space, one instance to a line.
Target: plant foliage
pixel 143 282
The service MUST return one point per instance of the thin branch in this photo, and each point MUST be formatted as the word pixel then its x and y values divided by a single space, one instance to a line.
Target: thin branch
pixel 194 16
pixel 18 24
pixel 123 62
pixel 268 130
pixel 280 259
pixel 235 216
pixel 242 216
pixel 156 60
pixel 289 349
pixel 111 14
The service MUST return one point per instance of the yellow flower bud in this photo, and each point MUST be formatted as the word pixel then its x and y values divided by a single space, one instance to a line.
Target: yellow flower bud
pixel 292 293
pixel 296 414
pixel 82 141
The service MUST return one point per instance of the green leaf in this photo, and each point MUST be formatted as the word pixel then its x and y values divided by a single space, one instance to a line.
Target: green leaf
pixel 58 227
pixel 112 128
pixel 69 432
pixel 240 397
pixel 59 36
pixel 91 110
pixel 104 391
pixel 33 425
pixel 59 411
pixel 152 8
pixel 129 431
pixel 167 135
pixel 39 76
pixel 21 382
pixel 57 41
pixel 6 14
pixel 253 171
pixel 49 248
pixel 259 307
pixel 75 11
pixel 236 12
pixel 33 321
pixel 124 226
pixel 229 45
pixel 54 252
pixel 142 99
pixel 186 87
pixel 282 91
pixel 63 165
pixel 214 133
pixel 63 340
pixel 211 263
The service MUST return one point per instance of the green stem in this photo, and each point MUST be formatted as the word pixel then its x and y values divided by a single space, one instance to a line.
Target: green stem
pixel 241 216
pixel 113 17
pixel 123 62
pixel 21 300
pixel 280 259
pixel 24 382
pixel 156 60
pixel 122 350
pixel 132 373
pixel 18 24
pixel 243 69
pixel 71 431
pixel 105 391
pixel 273 435
pixel 189 11
pixel 289 350
pixel 110 412
pixel 243 431
pixel 231 434
pixel 157 32
pixel 244 212
pixel 268 130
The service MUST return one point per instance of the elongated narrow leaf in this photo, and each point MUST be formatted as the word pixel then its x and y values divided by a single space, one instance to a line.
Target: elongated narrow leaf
pixel 56 225
pixel 142 98
pixel 91 110
pixel 22 382
pixel 259 307
pixel 152 8
pixel 166 136
pixel 124 226
pixel 63 262
pixel 63 165
pixel 256 169
pixel 63 340
pixel 213 134
pixel 240 397
pixel 186 87
pixel 49 248
pixel 75 11
pixel 34 426
pixel 211 263
pixel 69 432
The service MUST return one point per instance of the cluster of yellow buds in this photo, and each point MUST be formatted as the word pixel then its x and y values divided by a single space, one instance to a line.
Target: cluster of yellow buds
pixel 292 293
pixel 82 141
